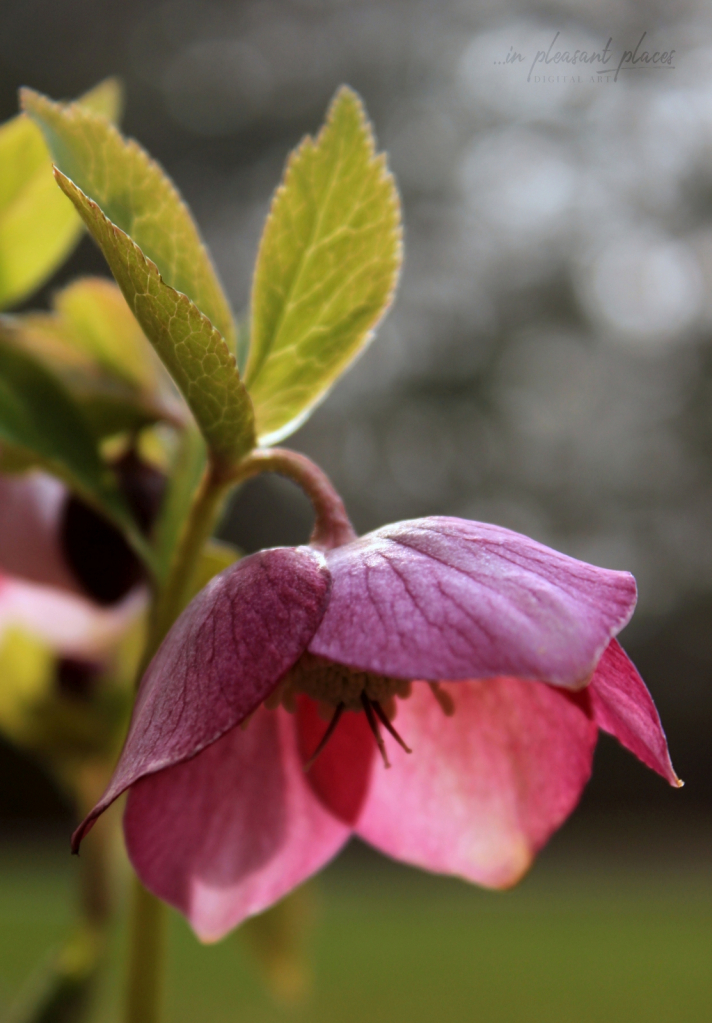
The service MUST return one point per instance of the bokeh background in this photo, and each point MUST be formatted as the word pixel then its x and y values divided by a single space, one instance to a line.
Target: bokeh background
pixel 547 366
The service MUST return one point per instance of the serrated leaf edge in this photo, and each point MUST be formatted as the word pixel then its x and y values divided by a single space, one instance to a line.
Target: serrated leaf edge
pixel 181 297
pixel 380 160
pixel 77 113
pixel 310 142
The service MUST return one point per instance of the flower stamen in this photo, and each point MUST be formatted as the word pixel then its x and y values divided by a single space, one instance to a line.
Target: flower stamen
pixel 373 725
pixel 446 702
pixel 383 718
pixel 326 736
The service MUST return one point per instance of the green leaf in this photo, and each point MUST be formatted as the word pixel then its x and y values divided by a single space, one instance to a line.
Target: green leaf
pixel 38 417
pixel 104 328
pixel 137 196
pixel 106 99
pixel 109 411
pixel 38 227
pixel 170 287
pixel 93 344
pixel 326 270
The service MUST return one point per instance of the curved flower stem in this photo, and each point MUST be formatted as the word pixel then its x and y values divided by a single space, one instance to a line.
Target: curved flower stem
pixel 332 527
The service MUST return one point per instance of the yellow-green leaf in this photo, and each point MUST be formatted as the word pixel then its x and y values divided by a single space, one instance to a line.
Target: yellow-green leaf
pixel 177 300
pixel 38 227
pixel 326 269
pixel 106 99
pixel 105 329
pixel 137 196
pixel 92 342
pixel 38 417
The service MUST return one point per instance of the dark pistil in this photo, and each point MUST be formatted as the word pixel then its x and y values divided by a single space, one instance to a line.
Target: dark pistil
pixel 373 725
pixel 374 713
pixel 326 736
pixel 383 718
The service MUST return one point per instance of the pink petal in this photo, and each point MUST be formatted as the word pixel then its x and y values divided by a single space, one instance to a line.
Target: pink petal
pixel 483 790
pixel 221 659
pixel 31 507
pixel 341 774
pixel 444 598
pixel 622 706
pixel 226 834
pixel 71 625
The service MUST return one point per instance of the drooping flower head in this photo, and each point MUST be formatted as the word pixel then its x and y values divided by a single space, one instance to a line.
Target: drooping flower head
pixel 253 752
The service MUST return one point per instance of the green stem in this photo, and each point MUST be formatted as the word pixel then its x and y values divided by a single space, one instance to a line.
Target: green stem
pixel 331 529
pixel 204 512
pixel 146 957
pixel 147 923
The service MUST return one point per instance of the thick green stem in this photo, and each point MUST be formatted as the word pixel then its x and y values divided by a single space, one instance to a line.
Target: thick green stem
pixel 146 957
pixel 174 595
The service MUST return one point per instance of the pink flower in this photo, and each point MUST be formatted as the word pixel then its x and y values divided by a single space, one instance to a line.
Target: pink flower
pixel 515 642
pixel 49 569
pixel 67 574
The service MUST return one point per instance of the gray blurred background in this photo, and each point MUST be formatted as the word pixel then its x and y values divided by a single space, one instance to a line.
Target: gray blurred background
pixel 548 362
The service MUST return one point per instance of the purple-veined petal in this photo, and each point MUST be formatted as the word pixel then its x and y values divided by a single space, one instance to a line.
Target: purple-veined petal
pixel 226 834
pixel 623 707
pixel 484 789
pixel 445 598
pixel 221 659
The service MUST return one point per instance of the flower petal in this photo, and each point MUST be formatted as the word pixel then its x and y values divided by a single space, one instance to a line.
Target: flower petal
pixel 623 707
pixel 31 508
pixel 226 834
pixel 221 659
pixel 484 789
pixel 341 774
pixel 71 625
pixel 445 598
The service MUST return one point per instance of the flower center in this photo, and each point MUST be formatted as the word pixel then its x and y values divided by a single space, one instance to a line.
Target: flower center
pixel 332 684
pixel 336 688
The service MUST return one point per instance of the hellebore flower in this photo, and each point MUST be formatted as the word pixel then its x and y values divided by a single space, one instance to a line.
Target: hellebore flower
pixel 66 574
pixel 495 651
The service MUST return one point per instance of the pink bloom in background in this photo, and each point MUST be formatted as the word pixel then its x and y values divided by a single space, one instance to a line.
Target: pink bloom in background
pixel 508 645
pixel 41 590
